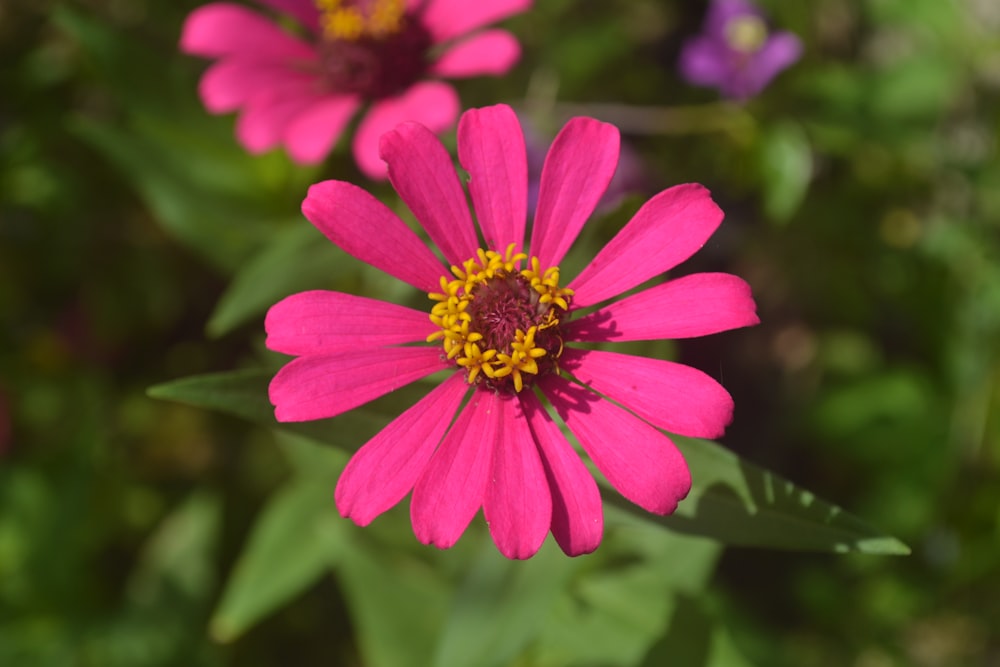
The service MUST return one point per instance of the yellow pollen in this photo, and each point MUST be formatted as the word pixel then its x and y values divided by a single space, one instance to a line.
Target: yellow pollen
pixel 464 346
pixel 351 21
pixel 746 34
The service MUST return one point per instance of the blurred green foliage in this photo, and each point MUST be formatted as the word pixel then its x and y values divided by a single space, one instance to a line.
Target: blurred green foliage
pixel 139 244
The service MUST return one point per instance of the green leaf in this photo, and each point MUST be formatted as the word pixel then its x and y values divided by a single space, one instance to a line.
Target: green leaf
pixel 294 542
pixel 918 88
pixel 313 460
pixel 858 407
pixel 243 393
pixel 177 561
pixel 786 170
pixel 194 176
pixel 731 500
pixel 121 61
pixel 695 637
pixel 222 229
pixel 624 595
pixel 168 595
pixel 297 258
pixel 396 601
pixel 739 503
pixel 688 638
pixel 500 606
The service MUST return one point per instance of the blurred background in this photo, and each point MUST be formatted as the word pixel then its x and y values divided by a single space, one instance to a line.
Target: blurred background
pixel 862 193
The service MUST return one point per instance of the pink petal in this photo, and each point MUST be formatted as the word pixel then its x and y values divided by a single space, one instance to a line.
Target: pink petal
pixel 517 504
pixel 365 228
pixel 224 29
pixel 447 19
pixel 433 104
pixel 265 118
pixel 696 305
pixel 667 230
pixel 491 148
pixel 313 133
pixel 639 461
pixel 671 396
pixel 577 170
pixel 228 84
pixel 304 11
pixel 577 518
pixel 420 170
pixel 451 488
pixel 386 468
pixel 317 387
pixel 492 52
pixel 323 323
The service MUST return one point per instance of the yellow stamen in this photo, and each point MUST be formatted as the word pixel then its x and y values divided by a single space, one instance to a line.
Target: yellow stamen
pixel 516 357
pixel 746 34
pixel 351 21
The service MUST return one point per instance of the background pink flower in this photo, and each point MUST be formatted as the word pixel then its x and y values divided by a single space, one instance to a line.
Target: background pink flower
pixel 503 324
pixel 300 90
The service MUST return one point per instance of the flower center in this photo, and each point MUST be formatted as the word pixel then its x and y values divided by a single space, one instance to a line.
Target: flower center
pixel 501 322
pixel 353 19
pixel 371 47
pixel 746 34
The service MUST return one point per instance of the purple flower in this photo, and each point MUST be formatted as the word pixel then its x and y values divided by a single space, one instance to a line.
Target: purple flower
pixel 736 51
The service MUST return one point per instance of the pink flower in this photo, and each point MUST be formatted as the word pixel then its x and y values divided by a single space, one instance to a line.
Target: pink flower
pixel 301 90
pixel 504 326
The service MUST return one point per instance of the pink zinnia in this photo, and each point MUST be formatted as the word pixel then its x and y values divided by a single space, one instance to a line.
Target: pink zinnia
pixel 300 91
pixel 504 326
